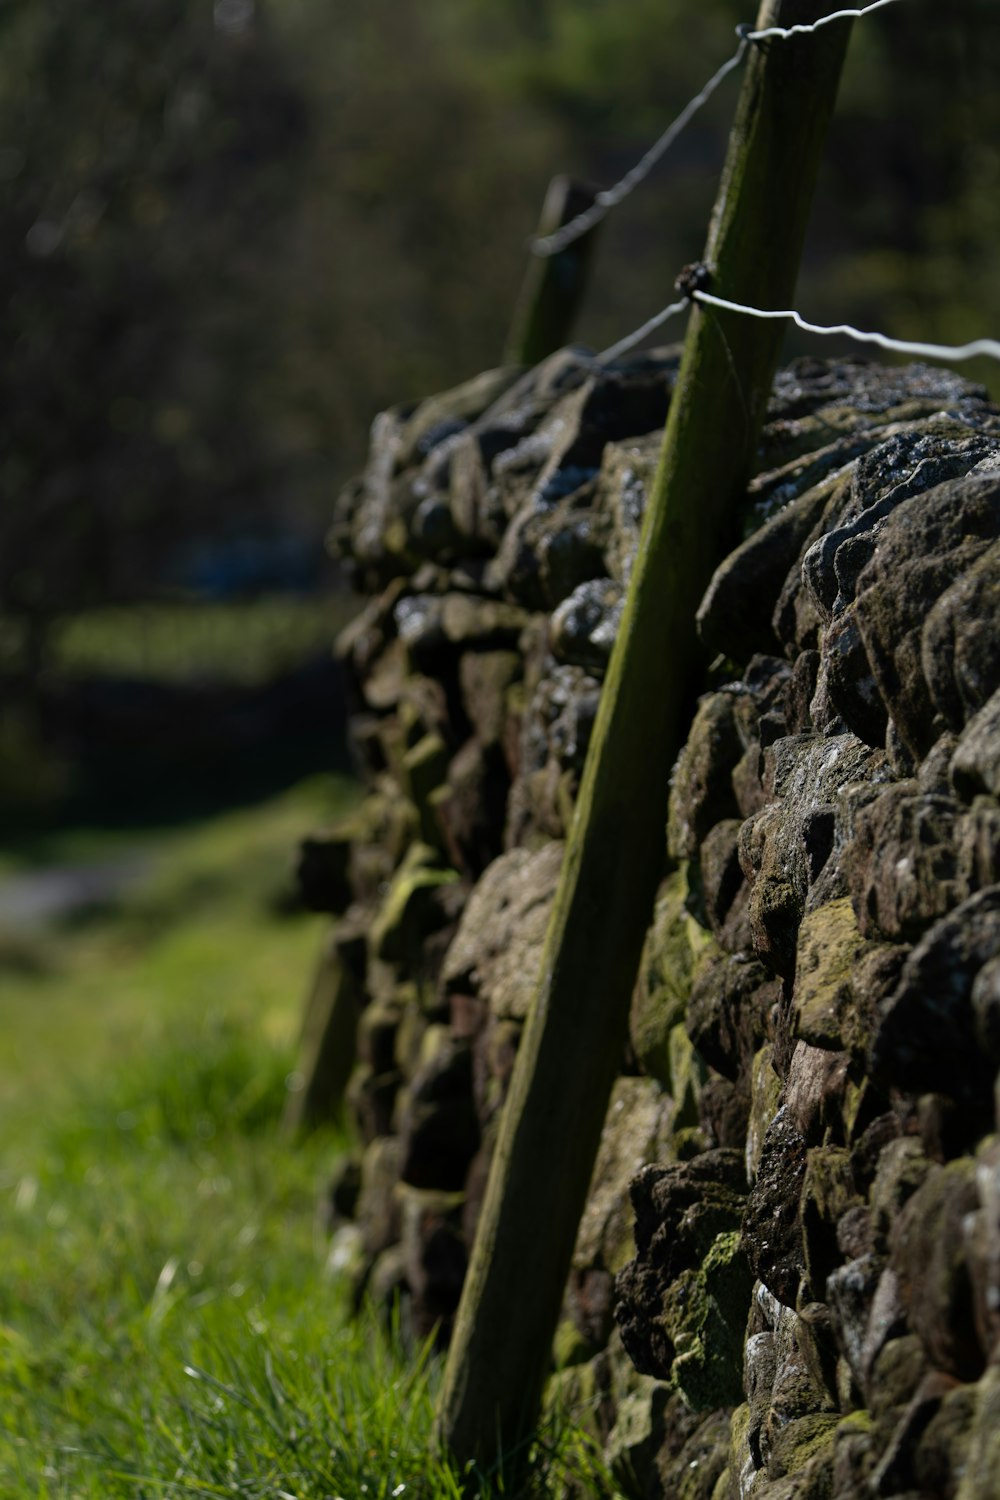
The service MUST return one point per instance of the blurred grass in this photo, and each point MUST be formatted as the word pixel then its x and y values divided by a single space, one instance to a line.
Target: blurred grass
pixel 247 643
pixel 165 1324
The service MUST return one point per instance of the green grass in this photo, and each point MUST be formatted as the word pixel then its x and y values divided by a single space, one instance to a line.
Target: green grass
pixel 245 643
pixel 166 1326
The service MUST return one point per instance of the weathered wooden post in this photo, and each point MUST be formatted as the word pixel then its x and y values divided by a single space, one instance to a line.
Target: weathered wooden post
pixel 554 285
pixel 572 1045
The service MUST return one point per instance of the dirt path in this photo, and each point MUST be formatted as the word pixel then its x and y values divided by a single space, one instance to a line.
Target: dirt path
pixel 45 895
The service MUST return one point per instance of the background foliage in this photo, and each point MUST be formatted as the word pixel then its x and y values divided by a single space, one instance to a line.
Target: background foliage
pixel 231 231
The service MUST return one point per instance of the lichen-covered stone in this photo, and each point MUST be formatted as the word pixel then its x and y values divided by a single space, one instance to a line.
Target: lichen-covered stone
pixel 683 1300
pixel 674 946
pixel 826 1012
pixel 412 908
pixel 497 950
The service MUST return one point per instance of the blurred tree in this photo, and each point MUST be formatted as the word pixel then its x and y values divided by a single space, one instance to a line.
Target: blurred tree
pixel 228 236
pixel 145 180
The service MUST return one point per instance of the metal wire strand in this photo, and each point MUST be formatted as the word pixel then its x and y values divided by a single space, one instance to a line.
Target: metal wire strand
pixel 551 244
pixel 979 348
pixel 609 198
pixel 784 32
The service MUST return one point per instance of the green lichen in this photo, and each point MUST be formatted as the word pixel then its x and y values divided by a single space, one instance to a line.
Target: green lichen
pixel 405 916
pixel 806 1441
pixel 828 948
pixel 705 1310
pixel 674 946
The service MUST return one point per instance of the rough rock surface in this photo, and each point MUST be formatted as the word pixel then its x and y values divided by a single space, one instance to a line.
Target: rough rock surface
pixel 787 1278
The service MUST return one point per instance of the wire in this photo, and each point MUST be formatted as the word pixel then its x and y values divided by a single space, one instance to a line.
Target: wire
pixel 979 348
pixel 551 244
pixel 784 32
pixel 631 339
pixel 609 198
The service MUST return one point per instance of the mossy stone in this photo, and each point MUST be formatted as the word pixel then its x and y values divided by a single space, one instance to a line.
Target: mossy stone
pixel 685 1078
pixel 828 947
pixel 636 1437
pixel 674 945
pixel 980 1477
pixel 705 1310
pixel 806 1441
pixel 408 913
pixel 569 1347
pixel 425 768
pixel 765 1095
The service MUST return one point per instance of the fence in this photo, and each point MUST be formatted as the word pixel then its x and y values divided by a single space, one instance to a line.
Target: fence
pixel 548 245
pixel 573 1039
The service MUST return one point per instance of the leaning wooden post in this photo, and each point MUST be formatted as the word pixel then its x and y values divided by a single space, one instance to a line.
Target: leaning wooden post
pixel 554 285
pixel 572 1044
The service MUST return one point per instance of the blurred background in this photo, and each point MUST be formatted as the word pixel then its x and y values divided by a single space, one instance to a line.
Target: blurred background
pixel 232 230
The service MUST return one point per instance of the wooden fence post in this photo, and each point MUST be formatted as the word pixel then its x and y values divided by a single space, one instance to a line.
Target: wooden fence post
pixel 572 1045
pixel 554 285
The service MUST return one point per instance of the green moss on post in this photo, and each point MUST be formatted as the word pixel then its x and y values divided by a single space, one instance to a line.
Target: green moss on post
pixel 573 1041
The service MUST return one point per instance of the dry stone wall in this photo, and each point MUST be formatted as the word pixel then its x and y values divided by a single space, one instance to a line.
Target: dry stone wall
pixel 787 1278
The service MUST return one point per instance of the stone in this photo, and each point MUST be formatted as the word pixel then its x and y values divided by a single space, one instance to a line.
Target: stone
pixel 823 1001
pixel 439 1128
pixel 484 679
pixel 814 1036
pixel 371 1099
pixel 550 549
pixel 674 946
pixel 928 1253
pixel 412 908
pixel 975 764
pixel 926 1039
pixel 800 1444
pixel 496 953
pixel 771 1230
pixel 584 626
pixel 685 1294
pixel 627 471
pixel 808 778
pixel 378 1209
pixel 940 1451
pixel 734 616
pixel 434 1257
pixel 634 1443
pixel 850 1293
pixel 470 808
pixel 924 547
pixel 901 1168
pixel 915 855
pixel 701 790
pixel 637 1120
pixel 727 1017
pixel 960 642
pixel 828 1193
pixel 982 1242
pixel 690 1462
pixel 979 1477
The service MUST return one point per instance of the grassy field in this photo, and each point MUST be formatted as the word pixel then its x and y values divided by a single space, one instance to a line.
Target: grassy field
pixel 166 1326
